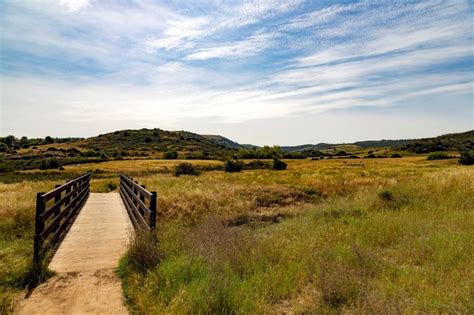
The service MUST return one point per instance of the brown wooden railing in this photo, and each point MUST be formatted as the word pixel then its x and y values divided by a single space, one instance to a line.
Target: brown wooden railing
pixel 140 203
pixel 55 213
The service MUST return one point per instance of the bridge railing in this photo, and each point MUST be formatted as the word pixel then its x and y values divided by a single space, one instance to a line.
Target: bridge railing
pixel 140 203
pixel 55 213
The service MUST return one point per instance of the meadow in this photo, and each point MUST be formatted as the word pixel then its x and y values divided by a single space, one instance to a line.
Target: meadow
pixel 324 236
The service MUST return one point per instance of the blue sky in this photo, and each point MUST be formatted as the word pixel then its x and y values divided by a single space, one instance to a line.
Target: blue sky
pixel 262 72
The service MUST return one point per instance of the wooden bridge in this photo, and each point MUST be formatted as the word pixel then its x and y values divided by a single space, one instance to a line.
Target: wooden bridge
pixel 77 230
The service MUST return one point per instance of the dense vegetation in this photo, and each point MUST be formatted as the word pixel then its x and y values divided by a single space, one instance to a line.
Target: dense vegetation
pixel 49 153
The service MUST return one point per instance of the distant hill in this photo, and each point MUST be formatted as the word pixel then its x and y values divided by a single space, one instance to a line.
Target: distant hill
pixel 159 140
pixel 223 141
pixel 24 153
pixel 448 142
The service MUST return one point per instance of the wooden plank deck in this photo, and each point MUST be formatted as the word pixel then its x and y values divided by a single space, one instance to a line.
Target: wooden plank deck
pixel 98 237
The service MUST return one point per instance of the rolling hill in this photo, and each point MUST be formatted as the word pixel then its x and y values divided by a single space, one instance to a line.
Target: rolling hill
pixel 26 153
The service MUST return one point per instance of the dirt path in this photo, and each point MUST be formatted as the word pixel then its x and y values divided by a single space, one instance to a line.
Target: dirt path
pixel 85 262
pixel 96 292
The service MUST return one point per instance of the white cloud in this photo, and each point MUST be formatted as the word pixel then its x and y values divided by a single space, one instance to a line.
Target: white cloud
pixel 74 5
pixel 179 34
pixel 248 47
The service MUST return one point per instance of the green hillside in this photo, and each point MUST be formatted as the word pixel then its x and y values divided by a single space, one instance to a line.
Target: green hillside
pixel 24 153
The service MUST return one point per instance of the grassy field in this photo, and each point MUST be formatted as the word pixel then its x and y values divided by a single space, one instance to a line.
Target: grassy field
pixel 325 236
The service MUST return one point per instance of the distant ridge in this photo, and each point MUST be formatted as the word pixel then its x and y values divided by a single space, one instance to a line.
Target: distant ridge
pixel 452 141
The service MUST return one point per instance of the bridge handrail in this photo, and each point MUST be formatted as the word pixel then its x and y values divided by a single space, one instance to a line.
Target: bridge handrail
pixel 51 222
pixel 140 203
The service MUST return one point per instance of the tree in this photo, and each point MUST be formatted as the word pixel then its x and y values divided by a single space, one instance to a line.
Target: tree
pixel 466 158
pixel 48 140
pixel 9 140
pixel 233 166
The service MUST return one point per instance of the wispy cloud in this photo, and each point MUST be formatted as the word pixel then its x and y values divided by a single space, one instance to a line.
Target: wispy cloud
pixel 244 48
pixel 74 5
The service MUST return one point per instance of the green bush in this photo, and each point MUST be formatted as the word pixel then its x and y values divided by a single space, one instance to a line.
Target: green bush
pixel 5 167
pixel 49 164
pixel 111 186
pixel 233 166
pixel 258 164
pixel 466 158
pixel 279 165
pixel 438 156
pixel 396 155
pixel 171 155
pixel 386 195
pixel 185 169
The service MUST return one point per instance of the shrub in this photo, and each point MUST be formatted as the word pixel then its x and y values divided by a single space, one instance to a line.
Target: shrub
pixel 279 165
pixel 148 140
pixel 185 169
pixel 438 156
pixel 144 252
pixel 396 155
pixel 386 195
pixel 370 156
pixel 5 167
pixel 258 164
pixel 466 158
pixel 233 166
pixel 49 164
pixel 171 155
pixel 3 147
pixel 111 186
pixel 48 139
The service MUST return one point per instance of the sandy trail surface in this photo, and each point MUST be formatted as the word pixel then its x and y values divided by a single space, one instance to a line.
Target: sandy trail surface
pixel 96 292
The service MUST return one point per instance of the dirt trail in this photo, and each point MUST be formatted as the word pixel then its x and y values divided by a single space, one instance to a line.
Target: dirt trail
pixel 96 292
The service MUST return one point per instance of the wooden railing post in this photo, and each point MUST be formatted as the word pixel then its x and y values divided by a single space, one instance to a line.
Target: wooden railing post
pixel 153 211
pixel 68 190
pixel 57 199
pixel 142 198
pixel 38 241
pixel 135 191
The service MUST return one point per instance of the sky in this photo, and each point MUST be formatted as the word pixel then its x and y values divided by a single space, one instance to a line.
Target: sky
pixel 261 72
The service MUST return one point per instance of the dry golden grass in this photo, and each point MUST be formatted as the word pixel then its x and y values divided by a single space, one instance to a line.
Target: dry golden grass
pixel 354 235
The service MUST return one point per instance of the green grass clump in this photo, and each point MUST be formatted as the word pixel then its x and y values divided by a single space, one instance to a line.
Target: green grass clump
pixel 438 156
pixel 185 169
